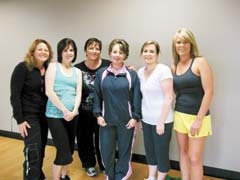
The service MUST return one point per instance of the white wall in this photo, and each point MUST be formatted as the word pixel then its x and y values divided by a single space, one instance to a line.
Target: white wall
pixel 215 24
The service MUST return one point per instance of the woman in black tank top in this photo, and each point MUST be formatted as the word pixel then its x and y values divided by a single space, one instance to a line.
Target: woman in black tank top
pixel 193 85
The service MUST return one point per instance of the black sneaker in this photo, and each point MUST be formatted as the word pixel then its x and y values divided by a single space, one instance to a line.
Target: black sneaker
pixel 66 177
pixel 91 171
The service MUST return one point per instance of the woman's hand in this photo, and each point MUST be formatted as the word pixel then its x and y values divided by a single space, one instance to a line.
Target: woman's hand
pixel 160 128
pixel 68 115
pixel 131 123
pixel 195 128
pixel 101 121
pixel 23 128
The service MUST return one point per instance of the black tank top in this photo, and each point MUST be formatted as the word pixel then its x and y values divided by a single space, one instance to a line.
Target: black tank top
pixel 189 92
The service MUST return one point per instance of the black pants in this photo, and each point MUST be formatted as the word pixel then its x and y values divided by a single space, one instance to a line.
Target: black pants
pixel 157 146
pixel 34 147
pixel 63 135
pixel 88 140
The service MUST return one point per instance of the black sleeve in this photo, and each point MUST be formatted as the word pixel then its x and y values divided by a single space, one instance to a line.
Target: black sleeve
pixel 97 105
pixel 16 86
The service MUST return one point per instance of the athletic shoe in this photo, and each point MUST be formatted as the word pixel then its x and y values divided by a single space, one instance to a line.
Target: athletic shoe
pixel 91 171
pixel 66 177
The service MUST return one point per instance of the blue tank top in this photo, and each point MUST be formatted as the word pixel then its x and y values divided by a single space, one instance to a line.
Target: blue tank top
pixel 189 92
pixel 65 88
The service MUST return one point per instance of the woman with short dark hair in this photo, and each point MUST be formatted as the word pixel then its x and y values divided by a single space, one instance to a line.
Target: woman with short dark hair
pixel 64 89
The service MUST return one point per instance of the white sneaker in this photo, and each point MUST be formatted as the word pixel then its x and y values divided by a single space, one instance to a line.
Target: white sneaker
pixel 91 171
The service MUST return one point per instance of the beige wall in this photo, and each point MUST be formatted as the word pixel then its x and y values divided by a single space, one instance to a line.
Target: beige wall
pixel 215 24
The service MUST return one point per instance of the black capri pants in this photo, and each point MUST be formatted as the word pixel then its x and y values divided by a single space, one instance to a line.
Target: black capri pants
pixel 63 135
pixel 157 146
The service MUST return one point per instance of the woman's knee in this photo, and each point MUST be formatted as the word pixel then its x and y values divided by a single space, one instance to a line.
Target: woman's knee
pixel 195 161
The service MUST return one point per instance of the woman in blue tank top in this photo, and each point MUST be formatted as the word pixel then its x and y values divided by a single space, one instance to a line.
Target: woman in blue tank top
pixel 193 85
pixel 64 89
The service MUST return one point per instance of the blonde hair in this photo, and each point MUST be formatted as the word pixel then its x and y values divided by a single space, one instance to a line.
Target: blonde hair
pixel 187 36
pixel 29 57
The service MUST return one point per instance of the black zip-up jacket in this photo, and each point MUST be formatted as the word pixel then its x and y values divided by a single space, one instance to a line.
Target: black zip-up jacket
pixel 27 92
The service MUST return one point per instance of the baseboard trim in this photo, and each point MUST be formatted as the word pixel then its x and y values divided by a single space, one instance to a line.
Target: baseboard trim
pixel 208 171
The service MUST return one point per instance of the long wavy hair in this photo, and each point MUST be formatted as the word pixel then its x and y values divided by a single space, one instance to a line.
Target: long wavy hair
pixel 29 57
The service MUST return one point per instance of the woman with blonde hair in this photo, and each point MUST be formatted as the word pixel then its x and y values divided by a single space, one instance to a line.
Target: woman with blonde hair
pixel 193 85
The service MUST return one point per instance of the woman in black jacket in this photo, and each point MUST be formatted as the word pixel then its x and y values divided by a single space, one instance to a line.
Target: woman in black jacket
pixel 28 101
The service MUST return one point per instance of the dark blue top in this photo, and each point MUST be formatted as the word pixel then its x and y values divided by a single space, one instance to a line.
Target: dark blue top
pixel 115 99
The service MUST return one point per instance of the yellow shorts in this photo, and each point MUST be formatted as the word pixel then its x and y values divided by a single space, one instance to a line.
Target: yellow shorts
pixel 183 122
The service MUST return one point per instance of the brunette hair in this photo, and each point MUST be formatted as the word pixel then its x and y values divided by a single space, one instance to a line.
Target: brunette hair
pixel 65 43
pixel 91 41
pixel 155 43
pixel 124 47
